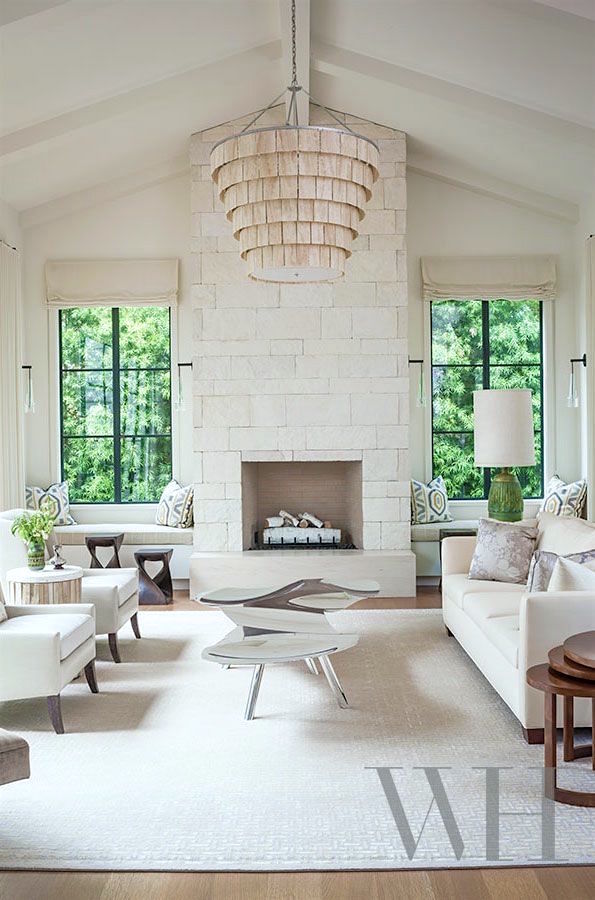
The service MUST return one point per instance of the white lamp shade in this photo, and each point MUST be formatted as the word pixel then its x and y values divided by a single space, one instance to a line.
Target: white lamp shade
pixel 503 428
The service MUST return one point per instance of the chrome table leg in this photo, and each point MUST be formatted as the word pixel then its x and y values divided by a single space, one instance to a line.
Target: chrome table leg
pixel 254 689
pixel 311 663
pixel 335 684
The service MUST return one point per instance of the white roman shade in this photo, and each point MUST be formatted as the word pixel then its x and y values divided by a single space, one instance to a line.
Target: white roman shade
pixel 111 282
pixel 489 277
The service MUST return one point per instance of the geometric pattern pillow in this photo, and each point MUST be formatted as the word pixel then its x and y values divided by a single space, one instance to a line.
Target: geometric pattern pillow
pixel 429 502
pixel 564 499
pixel 54 500
pixel 176 506
pixel 544 562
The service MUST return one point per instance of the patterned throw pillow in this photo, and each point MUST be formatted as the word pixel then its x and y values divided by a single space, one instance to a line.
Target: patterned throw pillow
pixel 503 552
pixel 563 499
pixel 544 561
pixel 53 499
pixel 429 502
pixel 176 506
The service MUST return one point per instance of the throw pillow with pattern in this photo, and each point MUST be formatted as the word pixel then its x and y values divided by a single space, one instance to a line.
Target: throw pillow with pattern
pixel 503 552
pixel 176 506
pixel 563 499
pixel 429 502
pixel 53 499
pixel 544 561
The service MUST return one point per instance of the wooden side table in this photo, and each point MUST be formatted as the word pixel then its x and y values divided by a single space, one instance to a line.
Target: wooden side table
pixel 566 677
pixel 158 589
pixel 94 541
pixel 46 586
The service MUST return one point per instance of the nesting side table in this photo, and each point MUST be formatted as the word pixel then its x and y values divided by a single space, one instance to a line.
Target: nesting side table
pixel 46 586
pixel 154 590
pixel 114 541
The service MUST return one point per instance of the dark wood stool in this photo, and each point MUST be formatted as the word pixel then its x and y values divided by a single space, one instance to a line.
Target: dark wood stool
pixel 156 590
pixel 104 540
pixel 570 674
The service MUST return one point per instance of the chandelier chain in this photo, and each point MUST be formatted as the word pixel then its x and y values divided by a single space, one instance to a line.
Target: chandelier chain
pixel 293 50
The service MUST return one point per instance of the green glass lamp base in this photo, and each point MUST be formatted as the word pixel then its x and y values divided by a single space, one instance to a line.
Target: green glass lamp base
pixel 505 500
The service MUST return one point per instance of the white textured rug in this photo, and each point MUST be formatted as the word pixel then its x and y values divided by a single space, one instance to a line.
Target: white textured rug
pixel 160 771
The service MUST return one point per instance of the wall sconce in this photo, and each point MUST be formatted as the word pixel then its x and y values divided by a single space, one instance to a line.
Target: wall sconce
pixel 572 400
pixel 420 399
pixel 180 401
pixel 29 402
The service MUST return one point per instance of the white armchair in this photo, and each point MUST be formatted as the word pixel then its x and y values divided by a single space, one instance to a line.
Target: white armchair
pixel 113 592
pixel 42 648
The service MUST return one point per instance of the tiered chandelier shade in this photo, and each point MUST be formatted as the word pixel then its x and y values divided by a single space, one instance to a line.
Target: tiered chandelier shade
pixel 295 196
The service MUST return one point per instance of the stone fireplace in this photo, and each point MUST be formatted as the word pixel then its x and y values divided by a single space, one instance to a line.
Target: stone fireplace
pixel 301 386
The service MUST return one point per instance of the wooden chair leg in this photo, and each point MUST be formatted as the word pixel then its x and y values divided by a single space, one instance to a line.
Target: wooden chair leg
pixel 134 623
pixel 113 645
pixel 55 711
pixel 91 677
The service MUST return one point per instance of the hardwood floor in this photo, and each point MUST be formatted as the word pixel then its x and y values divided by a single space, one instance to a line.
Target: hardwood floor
pixel 571 883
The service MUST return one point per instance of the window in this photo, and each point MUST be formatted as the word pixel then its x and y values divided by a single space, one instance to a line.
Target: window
pixel 482 344
pixel 115 403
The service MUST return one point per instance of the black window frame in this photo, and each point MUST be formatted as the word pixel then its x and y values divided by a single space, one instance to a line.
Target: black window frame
pixel 116 437
pixel 486 364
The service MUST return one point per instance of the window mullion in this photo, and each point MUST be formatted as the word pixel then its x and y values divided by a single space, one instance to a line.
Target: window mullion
pixel 485 349
pixel 116 403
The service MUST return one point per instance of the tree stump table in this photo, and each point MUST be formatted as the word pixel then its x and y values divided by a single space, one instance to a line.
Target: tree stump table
pixel 94 541
pixel 45 586
pixel 570 674
pixel 155 590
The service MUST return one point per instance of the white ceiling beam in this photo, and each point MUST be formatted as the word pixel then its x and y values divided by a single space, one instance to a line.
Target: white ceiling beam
pixel 488 186
pixel 302 22
pixel 346 64
pixel 27 141
pixel 104 192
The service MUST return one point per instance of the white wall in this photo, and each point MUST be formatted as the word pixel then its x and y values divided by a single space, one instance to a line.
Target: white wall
pixel 447 220
pixel 10 230
pixel 154 222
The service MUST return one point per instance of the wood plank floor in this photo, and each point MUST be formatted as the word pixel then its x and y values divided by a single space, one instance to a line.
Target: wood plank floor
pixel 568 882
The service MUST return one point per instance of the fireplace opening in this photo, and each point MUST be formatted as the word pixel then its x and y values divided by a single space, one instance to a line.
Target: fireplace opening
pixel 302 505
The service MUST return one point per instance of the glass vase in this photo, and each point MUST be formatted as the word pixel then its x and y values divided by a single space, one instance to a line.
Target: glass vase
pixel 36 554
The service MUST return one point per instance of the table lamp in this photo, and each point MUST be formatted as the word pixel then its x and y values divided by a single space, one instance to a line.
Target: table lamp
pixel 503 428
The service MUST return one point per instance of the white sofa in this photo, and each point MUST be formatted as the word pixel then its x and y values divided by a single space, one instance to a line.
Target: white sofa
pixel 506 630
pixel 72 538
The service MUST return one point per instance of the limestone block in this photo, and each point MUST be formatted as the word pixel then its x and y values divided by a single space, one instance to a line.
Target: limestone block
pixel 286 347
pixel 316 366
pixel 232 348
pixel 395 193
pixel 392 150
pixel 267 455
pixel 376 409
pixel 380 509
pixel 201 196
pixel 380 465
pixel 224 467
pixel 336 323
pixel 247 296
pixel 329 347
pixel 218 510
pixel 371 535
pixel 215 224
pixel 377 221
pixel 251 367
pixel 226 411
pixel 387 242
pixel 379 322
pixel 253 438
pixel 317 410
pixel 367 366
pixel 223 268
pixel 210 537
pixel 203 296
pixel 389 436
pixel 354 293
pixel 211 438
pixel 350 437
pixel 399 489
pixel 395 535
pixel 212 367
pixel 267 409
pixel 287 323
pixel 292 438
pixel 229 324
pixel 233 490
pixel 235 536
pixel 368 265
pixel 306 295
pixel 328 455
pixel 391 294
pixel 209 491
pixel 375 489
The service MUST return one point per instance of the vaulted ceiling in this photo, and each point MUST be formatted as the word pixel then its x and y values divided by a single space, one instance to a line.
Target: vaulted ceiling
pixel 98 97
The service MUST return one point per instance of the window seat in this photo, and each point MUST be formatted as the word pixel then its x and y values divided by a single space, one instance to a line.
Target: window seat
pixel 425 543
pixel 138 534
pixel 72 539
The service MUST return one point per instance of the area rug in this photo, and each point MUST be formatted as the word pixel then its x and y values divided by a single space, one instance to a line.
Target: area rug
pixel 161 772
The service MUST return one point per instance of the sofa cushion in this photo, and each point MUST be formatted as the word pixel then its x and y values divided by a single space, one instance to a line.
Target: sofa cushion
pixel 503 632
pixel 480 607
pixel 503 552
pixel 431 531
pixel 14 757
pixel 137 534
pixel 564 535
pixel 73 628
pixel 456 587
pixel 97 582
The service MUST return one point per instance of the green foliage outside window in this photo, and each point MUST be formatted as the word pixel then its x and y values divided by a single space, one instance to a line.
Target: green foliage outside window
pixel 115 403
pixel 481 344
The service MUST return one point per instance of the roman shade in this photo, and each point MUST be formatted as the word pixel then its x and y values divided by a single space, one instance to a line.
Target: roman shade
pixel 111 282
pixel 489 277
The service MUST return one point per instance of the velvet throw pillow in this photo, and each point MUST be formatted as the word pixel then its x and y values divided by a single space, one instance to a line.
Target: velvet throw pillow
pixel 503 552
pixel 176 506
pixel 544 562
pixel 571 576
pixel 429 502
pixel 53 499
pixel 563 499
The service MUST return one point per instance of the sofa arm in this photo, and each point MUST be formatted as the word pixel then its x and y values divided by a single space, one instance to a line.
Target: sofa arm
pixel 50 609
pixel 546 619
pixel 457 553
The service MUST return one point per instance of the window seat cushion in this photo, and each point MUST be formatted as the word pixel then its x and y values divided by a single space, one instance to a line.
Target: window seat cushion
pixel 431 531
pixel 137 534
